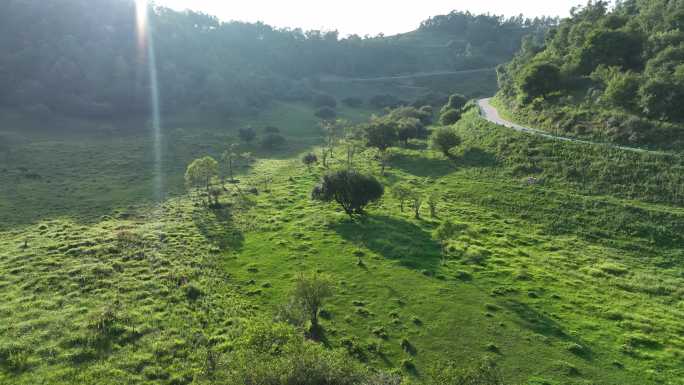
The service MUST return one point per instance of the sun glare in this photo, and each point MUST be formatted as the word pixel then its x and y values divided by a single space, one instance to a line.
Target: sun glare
pixel 141 21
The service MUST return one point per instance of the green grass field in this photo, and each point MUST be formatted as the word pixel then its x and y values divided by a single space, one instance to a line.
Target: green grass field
pixel 574 278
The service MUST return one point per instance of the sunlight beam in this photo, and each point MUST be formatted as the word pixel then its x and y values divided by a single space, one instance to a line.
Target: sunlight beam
pixel 148 57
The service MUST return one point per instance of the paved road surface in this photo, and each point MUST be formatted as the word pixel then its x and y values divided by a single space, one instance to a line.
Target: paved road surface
pixel 409 76
pixel 488 112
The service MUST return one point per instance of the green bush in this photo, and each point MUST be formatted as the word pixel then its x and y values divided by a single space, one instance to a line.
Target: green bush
pixel 622 90
pixel 444 139
pixel 324 100
pixel 272 141
pixel 449 117
pixel 326 113
pixel 350 189
pixel 538 80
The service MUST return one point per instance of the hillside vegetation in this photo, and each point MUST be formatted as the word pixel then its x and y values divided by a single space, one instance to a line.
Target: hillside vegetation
pixel 538 280
pixel 606 73
pixel 96 67
pixel 327 211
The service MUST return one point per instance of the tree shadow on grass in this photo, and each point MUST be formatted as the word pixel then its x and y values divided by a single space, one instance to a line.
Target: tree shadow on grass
pixel 394 239
pixel 217 226
pixel 534 320
pixel 475 157
pixel 422 166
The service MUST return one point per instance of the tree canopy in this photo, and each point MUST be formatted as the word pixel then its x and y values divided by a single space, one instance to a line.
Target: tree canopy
pixel 350 189
pixel 200 172
pixel 604 64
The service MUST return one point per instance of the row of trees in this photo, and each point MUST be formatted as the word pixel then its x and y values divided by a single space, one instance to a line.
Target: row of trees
pixel 353 190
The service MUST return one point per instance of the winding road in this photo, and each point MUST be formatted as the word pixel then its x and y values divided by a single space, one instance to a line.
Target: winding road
pixel 333 79
pixel 490 113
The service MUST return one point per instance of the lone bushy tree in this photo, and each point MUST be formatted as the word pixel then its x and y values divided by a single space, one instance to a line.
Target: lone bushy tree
pixel 456 102
pixel 247 134
pixel 310 292
pixel 402 194
pixel 309 159
pixel 200 173
pixel 350 189
pixel 417 202
pixel 538 80
pixel 326 113
pixel 444 139
pixel 409 128
pixel 450 117
pixel 432 201
pixel 272 141
pixel 325 100
pixel 381 133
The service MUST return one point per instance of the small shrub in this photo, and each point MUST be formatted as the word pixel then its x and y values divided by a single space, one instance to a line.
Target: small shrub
pixel 362 312
pixel 408 365
pixel 444 139
pixel 309 159
pixel 407 346
pixel 325 100
pixel 272 141
pixel 326 113
pixel 380 332
pixel 576 349
pixel 450 117
pixel 354 348
pixel 384 101
pixel 192 292
pixel 567 368
pixel 613 269
pixel 464 275
pixel 352 102
pixel 247 134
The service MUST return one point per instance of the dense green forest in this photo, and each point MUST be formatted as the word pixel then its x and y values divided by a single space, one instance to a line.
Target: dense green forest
pixel 614 73
pixel 94 67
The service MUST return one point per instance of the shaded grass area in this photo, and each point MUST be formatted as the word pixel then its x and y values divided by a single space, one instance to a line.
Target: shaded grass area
pixel 87 169
pixel 477 83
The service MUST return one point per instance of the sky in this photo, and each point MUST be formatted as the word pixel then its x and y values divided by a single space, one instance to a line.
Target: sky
pixel 362 16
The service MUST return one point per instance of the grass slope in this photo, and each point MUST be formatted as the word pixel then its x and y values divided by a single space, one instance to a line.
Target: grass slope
pixel 560 282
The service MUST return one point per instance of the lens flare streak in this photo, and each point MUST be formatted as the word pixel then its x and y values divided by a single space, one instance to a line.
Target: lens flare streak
pixel 148 56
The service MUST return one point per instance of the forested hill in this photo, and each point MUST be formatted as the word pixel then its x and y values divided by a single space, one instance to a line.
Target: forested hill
pixel 615 73
pixel 81 57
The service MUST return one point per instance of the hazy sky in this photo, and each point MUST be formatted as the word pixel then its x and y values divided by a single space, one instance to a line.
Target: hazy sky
pixel 362 16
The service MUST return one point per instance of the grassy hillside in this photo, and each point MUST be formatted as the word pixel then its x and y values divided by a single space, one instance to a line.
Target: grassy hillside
pixel 572 277
pixel 420 88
